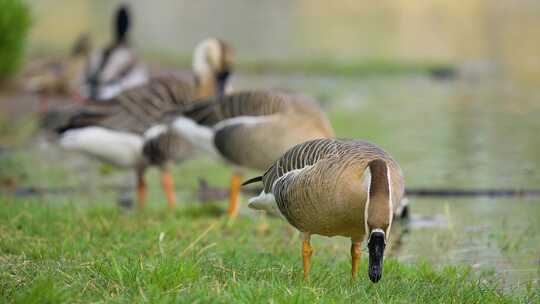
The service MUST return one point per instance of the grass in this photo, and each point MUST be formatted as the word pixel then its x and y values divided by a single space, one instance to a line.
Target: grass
pixel 358 68
pixel 82 248
pixel 60 251
pixel 320 66
pixel 15 132
pixel 305 66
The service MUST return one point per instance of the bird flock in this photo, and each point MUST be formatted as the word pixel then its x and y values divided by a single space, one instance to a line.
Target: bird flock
pixel 130 119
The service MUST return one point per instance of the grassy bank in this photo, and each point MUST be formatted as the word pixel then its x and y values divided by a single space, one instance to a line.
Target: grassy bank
pixel 321 66
pixel 81 247
pixel 58 251
pixel 303 66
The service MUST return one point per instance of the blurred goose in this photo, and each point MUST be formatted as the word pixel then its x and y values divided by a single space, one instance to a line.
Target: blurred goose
pixel 247 129
pixel 59 76
pixel 115 68
pixel 324 187
pixel 114 130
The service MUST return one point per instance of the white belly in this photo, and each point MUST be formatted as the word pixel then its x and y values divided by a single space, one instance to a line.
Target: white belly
pixel 121 149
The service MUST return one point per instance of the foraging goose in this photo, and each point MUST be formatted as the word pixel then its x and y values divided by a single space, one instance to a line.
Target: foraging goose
pixel 59 76
pixel 115 131
pixel 323 187
pixel 115 68
pixel 249 129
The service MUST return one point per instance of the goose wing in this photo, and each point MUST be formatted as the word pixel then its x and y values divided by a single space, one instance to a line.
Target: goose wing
pixel 254 128
pixel 313 163
pixel 217 109
pixel 138 109
pixel 299 157
pixel 296 180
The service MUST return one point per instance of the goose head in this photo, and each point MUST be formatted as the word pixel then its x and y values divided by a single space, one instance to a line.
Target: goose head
pixel 213 63
pixel 378 216
pixel 115 68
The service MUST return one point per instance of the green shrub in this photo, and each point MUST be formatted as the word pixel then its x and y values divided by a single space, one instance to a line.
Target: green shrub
pixel 14 25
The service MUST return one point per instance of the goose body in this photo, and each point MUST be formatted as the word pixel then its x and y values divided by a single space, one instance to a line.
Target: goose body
pixel 121 149
pixel 115 68
pixel 334 187
pixel 115 130
pixel 252 129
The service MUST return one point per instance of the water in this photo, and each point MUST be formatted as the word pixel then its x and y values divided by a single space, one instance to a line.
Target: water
pixel 501 235
pixel 477 131
pixel 447 134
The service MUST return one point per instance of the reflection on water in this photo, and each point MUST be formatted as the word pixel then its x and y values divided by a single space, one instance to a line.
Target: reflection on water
pixel 494 234
pixel 479 131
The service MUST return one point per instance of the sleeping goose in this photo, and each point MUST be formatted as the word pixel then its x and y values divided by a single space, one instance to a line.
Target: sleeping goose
pixel 115 68
pixel 248 129
pixel 335 187
pixel 114 130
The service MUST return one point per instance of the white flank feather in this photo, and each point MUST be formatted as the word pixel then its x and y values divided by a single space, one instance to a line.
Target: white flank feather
pixel 154 132
pixel 241 120
pixel 200 136
pixel 121 149
pixel 262 202
pixel 265 201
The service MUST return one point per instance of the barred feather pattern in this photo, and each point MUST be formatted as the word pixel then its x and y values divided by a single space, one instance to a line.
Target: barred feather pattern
pixel 136 109
pixel 140 108
pixel 212 110
pixel 313 181
pixel 286 119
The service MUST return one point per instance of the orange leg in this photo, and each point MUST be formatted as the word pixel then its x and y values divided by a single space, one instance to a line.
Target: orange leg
pixel 236 182
pixel 355 258
pixel 141 189
pixel 168 186
pixel 307 251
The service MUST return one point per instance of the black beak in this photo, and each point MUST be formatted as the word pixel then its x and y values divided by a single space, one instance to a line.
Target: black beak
pixel 376 255
pixel 221 80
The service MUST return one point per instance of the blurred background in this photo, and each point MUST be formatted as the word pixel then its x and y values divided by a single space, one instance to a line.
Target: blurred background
pixel 480 33
pixel 450 88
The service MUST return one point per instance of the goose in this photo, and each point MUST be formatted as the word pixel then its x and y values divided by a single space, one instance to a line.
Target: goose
pixel 324 187
pixel 59 76
pixel 115 68
pixel 114 131
pixel 248 129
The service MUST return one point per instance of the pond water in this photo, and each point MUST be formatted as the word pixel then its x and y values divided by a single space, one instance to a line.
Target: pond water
pixel 476 131
pixel 451 135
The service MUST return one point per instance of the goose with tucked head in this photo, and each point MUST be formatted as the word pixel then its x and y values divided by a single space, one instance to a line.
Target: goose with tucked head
pixel 213 62
pixel 115 68
pixel 335 187
pixel 116 131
